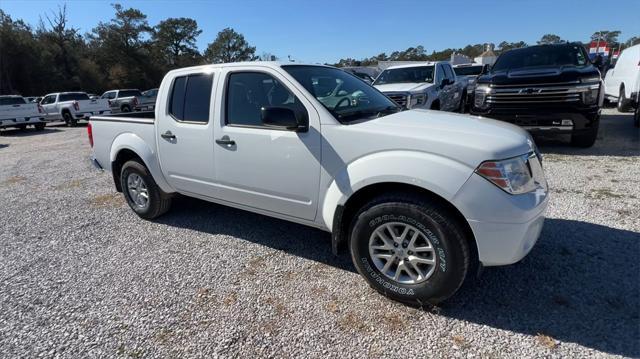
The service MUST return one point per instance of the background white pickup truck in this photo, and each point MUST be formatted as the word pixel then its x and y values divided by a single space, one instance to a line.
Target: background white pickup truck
pixel 16 112
pixel 419 197
pixel 129 100
pixel 71 107
pixel 429 85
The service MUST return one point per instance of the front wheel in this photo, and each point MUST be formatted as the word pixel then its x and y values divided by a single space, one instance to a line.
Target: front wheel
pixel 141 192
pixel 623 102
pixel 585 138
pixel 410 250
pixel 463 103
pixel 39 126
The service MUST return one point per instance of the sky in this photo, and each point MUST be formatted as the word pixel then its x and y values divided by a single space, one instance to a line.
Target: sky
pixel 325 31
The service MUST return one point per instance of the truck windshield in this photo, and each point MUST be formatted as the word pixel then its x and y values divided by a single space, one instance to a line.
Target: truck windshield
pixel 468 70
pixel 536 56
pixel 416 74
pixel 76 96
pixel 6 101
pixel 344 95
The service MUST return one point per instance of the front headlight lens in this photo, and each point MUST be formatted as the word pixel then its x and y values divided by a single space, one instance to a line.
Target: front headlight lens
pixel 418 99
pixel 511 175
pixel 590 96
pixel 480 96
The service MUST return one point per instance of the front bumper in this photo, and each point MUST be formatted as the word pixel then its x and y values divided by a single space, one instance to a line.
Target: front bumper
pixel 550 120
pixel 505 226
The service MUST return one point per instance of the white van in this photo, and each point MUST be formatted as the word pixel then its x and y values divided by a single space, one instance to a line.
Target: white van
pixel 622 83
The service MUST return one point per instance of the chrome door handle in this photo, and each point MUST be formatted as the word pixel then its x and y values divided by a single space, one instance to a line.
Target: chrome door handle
pixel 168 135
pixel 225 140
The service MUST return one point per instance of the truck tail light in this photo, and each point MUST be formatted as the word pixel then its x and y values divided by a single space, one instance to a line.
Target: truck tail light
pixel 76 105
pixel 40 109
pixel 90 134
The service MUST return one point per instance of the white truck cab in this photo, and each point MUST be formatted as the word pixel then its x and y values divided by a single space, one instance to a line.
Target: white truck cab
pixel 428 85
pixel 420 198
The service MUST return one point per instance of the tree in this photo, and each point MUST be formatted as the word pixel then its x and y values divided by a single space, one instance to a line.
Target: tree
pixel 549 39
pixel 229 46
pixel 610 37
pixel 175 40
pixel 634 40
pixel 505 46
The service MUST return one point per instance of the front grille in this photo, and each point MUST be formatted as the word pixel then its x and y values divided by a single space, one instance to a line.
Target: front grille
pixel 544 93
pixel 400 99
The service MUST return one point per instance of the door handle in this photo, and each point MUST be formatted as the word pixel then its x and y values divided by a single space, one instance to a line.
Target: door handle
pixel 225 140
pixel 168 135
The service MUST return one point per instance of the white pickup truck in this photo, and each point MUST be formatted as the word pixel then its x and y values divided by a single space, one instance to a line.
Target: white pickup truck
pixel 428 85
pixel 421 198
pixel 16 112
pixel 71 107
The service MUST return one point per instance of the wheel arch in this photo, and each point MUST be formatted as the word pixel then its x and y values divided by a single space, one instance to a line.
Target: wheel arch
pixel 128 146
pixel 344 213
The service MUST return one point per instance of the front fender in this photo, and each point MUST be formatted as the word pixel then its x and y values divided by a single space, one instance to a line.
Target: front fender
pixel 133 142
pixel 440 175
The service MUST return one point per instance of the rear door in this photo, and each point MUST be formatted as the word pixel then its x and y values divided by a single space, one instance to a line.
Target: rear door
pixel 275 170
pixel 451 94
pixel 184 132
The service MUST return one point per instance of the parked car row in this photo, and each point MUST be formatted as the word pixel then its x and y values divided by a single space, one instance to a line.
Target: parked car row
pixel 71 107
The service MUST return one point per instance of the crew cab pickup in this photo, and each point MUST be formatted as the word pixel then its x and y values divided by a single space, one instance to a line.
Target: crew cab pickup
pixel 71 107
pixel 16 112
pixel 128 100
pixel 420 198
pixel 551 89
pixel 429 85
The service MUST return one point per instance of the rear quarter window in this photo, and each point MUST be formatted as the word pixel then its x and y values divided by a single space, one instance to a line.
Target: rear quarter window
pixel 7 101
pixel 190 98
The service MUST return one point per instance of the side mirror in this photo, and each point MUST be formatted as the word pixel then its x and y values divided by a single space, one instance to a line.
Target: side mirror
pixel 486 69
pixel 282 117
pixel 445 82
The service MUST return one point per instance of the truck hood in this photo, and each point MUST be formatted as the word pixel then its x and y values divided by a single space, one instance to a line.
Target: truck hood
pixel 463 138
pixel 404 87
pixel 538 75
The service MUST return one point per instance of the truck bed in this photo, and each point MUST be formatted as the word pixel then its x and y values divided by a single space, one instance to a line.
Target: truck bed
pixel 114 132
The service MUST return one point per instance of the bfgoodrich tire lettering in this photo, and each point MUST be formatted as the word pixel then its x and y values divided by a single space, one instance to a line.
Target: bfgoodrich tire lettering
pixel 450 248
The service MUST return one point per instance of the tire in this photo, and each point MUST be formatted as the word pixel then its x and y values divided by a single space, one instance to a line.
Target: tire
pixel 69 120
pixel 586 138
pixel 435 106
pixel 463 103
pixel 623 102
pixel 158 202
pixel 22 127
pixel 449 248
pixel 39 126
pixel 125 108
pixel 636 115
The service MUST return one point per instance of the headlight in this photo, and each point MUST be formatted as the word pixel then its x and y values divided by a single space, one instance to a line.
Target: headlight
pixel 590 95
pixel 593 79
pixel 480 95
pixel 512 175
pixel 417 99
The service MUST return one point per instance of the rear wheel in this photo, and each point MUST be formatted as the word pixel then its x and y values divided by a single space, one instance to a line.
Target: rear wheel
pixel 40 126
pixel 69 120
pixel 125 108
pixel 623 102
pixel 22 127
pixel 141 192
pixel 409 250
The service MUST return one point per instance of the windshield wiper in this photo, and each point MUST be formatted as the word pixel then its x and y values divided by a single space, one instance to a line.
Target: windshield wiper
pixel 377 112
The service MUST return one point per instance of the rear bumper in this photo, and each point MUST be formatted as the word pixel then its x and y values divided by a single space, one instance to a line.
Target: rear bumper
pixel 15 122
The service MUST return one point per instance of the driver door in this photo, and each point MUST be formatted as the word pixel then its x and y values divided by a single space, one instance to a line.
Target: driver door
pixel 270 169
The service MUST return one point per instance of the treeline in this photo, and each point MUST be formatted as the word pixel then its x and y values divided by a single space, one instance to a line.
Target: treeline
pixel 124 52
pixel 419 53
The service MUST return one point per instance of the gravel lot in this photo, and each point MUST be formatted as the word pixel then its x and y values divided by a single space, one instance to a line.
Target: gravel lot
pixel 81 276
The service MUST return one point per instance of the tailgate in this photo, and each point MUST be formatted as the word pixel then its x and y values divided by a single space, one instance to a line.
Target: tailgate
pixel 19 111
pixel 93 107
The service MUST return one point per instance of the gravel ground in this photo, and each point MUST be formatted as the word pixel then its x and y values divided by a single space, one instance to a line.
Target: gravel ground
pixel 81 276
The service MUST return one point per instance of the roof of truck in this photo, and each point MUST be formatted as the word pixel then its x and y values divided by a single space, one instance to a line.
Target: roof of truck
pixel 271 64
pixel 415 64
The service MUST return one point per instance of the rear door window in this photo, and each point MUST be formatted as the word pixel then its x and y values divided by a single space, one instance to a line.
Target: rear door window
pixel 78 96
pixel 190 99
